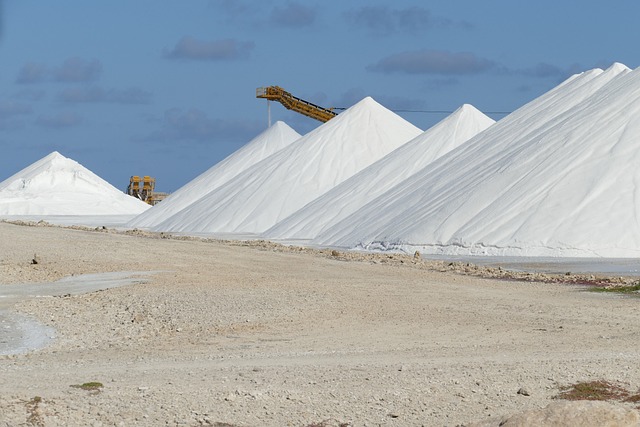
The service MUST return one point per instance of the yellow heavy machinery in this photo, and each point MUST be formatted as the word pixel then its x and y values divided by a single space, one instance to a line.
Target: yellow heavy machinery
pixel 290 102
pixel 144 189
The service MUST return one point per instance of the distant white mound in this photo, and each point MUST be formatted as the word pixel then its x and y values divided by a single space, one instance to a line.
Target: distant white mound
pixel 56 185
pixel 276 187
pixel 558 177
pixel 272 140
pixel 395 167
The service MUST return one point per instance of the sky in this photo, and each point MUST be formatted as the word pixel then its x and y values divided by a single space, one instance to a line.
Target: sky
pixel 167 88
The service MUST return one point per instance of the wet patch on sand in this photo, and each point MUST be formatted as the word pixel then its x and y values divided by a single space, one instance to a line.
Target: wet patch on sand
pixel 20 333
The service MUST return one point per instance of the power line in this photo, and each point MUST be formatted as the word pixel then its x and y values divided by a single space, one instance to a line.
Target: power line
pixel 433 111
pixel 446 111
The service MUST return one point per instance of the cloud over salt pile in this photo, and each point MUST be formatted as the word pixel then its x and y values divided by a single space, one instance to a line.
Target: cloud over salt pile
pixel 382 175
pixel 56 185
pixel 557 177
pixel 274 188
pixel 272 140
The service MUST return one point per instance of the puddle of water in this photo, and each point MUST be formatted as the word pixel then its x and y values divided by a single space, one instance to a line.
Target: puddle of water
pixel 20 333
pixel 72 285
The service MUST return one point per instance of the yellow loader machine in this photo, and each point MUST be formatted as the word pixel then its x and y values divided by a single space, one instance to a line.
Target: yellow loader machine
pixel 144 189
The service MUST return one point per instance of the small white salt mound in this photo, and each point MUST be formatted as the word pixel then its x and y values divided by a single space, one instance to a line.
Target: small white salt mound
pixel 559 177
pixel 271 190
pixel 272 140
pixel 366 185
pixel 56 185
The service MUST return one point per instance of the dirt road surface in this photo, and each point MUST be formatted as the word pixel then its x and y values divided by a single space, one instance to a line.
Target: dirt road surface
pixel 247 335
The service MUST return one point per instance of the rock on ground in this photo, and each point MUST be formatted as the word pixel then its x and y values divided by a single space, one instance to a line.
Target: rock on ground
pixel 569 414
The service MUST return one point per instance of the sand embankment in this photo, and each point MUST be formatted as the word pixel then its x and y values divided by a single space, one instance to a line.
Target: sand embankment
pixel 260 335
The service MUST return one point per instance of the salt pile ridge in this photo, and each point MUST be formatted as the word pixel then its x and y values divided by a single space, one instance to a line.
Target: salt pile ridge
pixel 274 188
pixel 558 177
pixel 56 185
pixel 272 140
pixel 374 180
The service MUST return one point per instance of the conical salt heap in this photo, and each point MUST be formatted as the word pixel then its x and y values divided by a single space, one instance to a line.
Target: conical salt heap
pixel 272 140
pixel 56 185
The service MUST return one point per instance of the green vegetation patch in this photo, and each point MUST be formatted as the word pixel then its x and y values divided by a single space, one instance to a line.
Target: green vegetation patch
pixel 619 289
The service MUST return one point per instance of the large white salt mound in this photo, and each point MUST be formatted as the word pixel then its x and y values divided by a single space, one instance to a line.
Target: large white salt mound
pixel 56 185
pixel 559 177
pixel 271 190
pixel 272 140
pixel 366 185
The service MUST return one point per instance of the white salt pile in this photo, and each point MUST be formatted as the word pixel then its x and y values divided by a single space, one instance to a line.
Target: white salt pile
pixel 56 185
pixel 395 167
pixel 557 177
pixel 276 187
pixel 272 140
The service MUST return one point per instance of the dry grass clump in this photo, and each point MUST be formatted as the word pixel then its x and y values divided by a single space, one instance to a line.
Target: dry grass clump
pixel 93 386
pixel 598 390
pixel 329 423
pixel 34 416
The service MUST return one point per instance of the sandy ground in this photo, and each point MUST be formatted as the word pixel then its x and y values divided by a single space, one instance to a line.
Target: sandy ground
pixel 235 334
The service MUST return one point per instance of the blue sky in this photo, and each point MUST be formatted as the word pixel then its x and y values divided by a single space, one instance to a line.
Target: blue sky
pixel 167 88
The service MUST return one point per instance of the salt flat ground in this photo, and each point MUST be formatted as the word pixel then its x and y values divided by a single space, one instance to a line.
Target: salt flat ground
pixel 253 336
